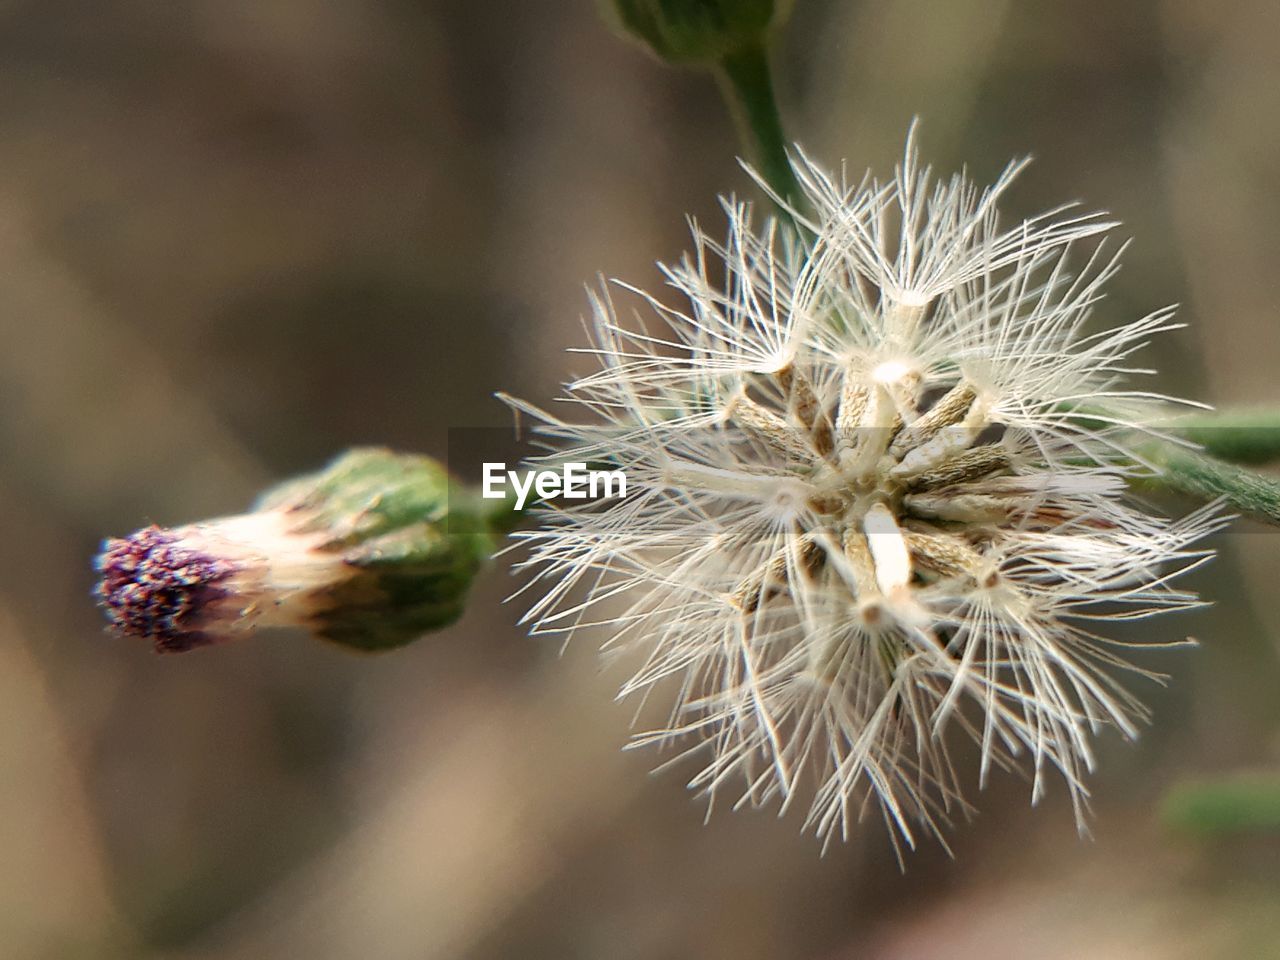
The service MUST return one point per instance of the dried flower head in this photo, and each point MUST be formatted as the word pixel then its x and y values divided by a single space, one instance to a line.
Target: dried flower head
pixel 878 500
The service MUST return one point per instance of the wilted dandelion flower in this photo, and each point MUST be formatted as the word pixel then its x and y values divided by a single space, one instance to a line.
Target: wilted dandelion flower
pixel 876 500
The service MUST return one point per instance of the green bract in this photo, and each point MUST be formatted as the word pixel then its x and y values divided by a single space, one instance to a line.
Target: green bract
pixel 416 538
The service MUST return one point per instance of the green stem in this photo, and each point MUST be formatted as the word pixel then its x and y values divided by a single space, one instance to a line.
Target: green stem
pixel 1208 478
pixel 747 85
pixel 1249 803
pixel 1241 436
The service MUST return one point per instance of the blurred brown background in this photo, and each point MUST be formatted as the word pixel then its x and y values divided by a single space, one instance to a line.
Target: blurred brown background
pixel 237 236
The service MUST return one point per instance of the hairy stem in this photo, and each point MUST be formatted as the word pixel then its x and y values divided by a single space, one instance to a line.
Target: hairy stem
pixel 1205 477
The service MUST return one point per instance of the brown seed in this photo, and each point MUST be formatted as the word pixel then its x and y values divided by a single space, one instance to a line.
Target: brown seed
pixel 766 425
pixel 969 465
pixel 950 409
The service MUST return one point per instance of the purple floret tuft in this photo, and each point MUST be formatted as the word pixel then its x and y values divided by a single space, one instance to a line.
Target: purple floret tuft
pixel 154 587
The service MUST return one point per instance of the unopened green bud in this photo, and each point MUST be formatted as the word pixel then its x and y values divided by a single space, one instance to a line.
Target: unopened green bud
pixel 698 32
pixel 370 552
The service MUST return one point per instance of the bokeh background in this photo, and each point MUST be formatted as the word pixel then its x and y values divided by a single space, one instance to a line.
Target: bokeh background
pixel 238 236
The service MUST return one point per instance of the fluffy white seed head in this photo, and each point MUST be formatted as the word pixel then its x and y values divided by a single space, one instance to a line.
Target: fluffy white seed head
pixel 877 500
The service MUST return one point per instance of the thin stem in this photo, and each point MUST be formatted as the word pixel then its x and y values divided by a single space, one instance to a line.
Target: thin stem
pixel 1208 478
pixel 1198 473
pixel 747 86
pixel 1241 436
pixel 1247 803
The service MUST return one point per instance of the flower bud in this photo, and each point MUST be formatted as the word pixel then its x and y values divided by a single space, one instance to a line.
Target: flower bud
pixel 699 32
pixel 370 552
